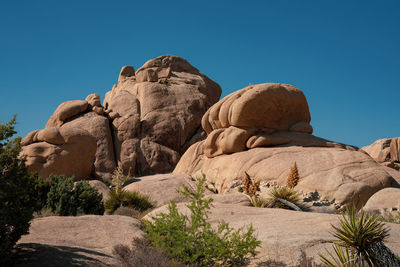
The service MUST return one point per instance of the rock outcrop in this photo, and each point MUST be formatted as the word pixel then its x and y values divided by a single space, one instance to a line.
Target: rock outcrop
pixel 76 240
pixel 148 121
pixel 385 151
pixel 60 151
pixel 385 200
pixel 156 113
pixel 262 130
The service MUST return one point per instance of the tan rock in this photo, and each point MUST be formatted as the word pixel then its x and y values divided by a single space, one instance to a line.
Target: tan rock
pixel 103 189
pixel 74 157
pixel 81 240
pixel 93 100
pixel 387 199
pixel 336 173
pixel 395 149
pixel 379 150
pixel 65 111
pixel 162 188
pixel 98 127
pixel 268 105
pixel 159 108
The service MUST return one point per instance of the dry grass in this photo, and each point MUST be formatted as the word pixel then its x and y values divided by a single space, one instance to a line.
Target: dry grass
pixel 141 254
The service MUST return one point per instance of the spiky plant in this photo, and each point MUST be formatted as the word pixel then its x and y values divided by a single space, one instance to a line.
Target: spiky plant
pixel 288 194
pixel 293 177
pixel 342 257
pixel 359 234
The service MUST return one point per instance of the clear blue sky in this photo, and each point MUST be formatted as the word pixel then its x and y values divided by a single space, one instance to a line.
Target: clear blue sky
pixel 344 55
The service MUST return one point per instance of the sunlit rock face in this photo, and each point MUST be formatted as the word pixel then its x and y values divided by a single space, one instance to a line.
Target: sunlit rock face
pixel 262 130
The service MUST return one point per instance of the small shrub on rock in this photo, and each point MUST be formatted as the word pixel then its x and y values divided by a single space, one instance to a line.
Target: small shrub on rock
pixel 65 198
pixel 123 198
pixel 190 238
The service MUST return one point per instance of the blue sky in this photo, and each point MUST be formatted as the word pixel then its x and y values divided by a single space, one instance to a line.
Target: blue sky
pixel 344 55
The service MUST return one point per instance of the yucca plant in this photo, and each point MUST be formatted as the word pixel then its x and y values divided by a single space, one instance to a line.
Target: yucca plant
pixel 357 235
pixel 284 197
pixel 342 257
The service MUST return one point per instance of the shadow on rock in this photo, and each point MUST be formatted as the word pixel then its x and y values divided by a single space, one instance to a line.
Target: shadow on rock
pixel 33 254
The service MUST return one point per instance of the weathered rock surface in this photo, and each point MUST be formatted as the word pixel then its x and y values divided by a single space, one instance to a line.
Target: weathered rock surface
pixel 102 188
pixel 60 151
pixel 385 151
pixel 157 111
pixel 283 233
pixel 76 241
pixel 98 127
pixel 337 174
pixel 154 114
pixel 162 188
pixel 387 199
pixel 262 130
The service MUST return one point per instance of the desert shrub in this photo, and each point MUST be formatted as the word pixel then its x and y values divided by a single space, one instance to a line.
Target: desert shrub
pixel 293 177
pixel 190 238
pixel 142 253
pixel 41 188
pixel 17 197
pixel 123 198
pixel 356 238
pixel 289 195
pixel 88 199
pixel 65 199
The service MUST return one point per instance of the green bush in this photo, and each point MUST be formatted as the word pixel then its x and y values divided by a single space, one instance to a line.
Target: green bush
pixel 17 197
pixel 123 198
pixel 190 238
pixel 65 198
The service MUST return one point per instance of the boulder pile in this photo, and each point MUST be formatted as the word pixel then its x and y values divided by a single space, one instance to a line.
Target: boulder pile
pixel 263 130
pixel 146 121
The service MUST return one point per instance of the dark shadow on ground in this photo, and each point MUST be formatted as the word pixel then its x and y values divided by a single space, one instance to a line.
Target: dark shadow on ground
pixel 34 254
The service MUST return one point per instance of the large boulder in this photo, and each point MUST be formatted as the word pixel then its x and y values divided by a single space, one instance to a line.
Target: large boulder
pixel 60 151
pixel 156 113
pixel 385 151
pixel 263 130
pixel 387 199
pixel 72 159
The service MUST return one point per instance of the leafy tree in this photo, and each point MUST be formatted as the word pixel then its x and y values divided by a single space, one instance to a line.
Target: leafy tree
pixel 17 196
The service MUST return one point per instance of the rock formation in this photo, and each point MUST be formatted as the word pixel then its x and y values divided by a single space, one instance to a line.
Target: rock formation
pixel 262 130
pixel 148 120
pixel 385 151
pixel 156 113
